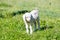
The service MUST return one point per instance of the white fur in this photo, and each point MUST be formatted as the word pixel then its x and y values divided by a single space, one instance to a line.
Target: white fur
pixel 34 13
pixel 30 18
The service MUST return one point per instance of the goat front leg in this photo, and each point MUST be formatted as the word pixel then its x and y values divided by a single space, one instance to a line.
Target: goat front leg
pixel 31 29
pixel 27 30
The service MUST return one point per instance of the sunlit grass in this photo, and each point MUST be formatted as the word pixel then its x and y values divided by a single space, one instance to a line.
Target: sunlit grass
pixel 13 28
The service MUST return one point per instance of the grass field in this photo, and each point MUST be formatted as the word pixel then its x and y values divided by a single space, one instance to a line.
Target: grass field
pixel 13 28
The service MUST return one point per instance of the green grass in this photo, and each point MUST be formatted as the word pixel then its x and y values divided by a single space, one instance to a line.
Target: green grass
pixel 13 28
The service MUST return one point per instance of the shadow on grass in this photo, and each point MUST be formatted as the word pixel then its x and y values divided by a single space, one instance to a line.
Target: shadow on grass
pixel 19 12
pixel 46 27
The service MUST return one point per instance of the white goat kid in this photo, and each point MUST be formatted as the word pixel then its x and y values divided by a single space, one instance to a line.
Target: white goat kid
pixel 27 20
pixel 30 18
